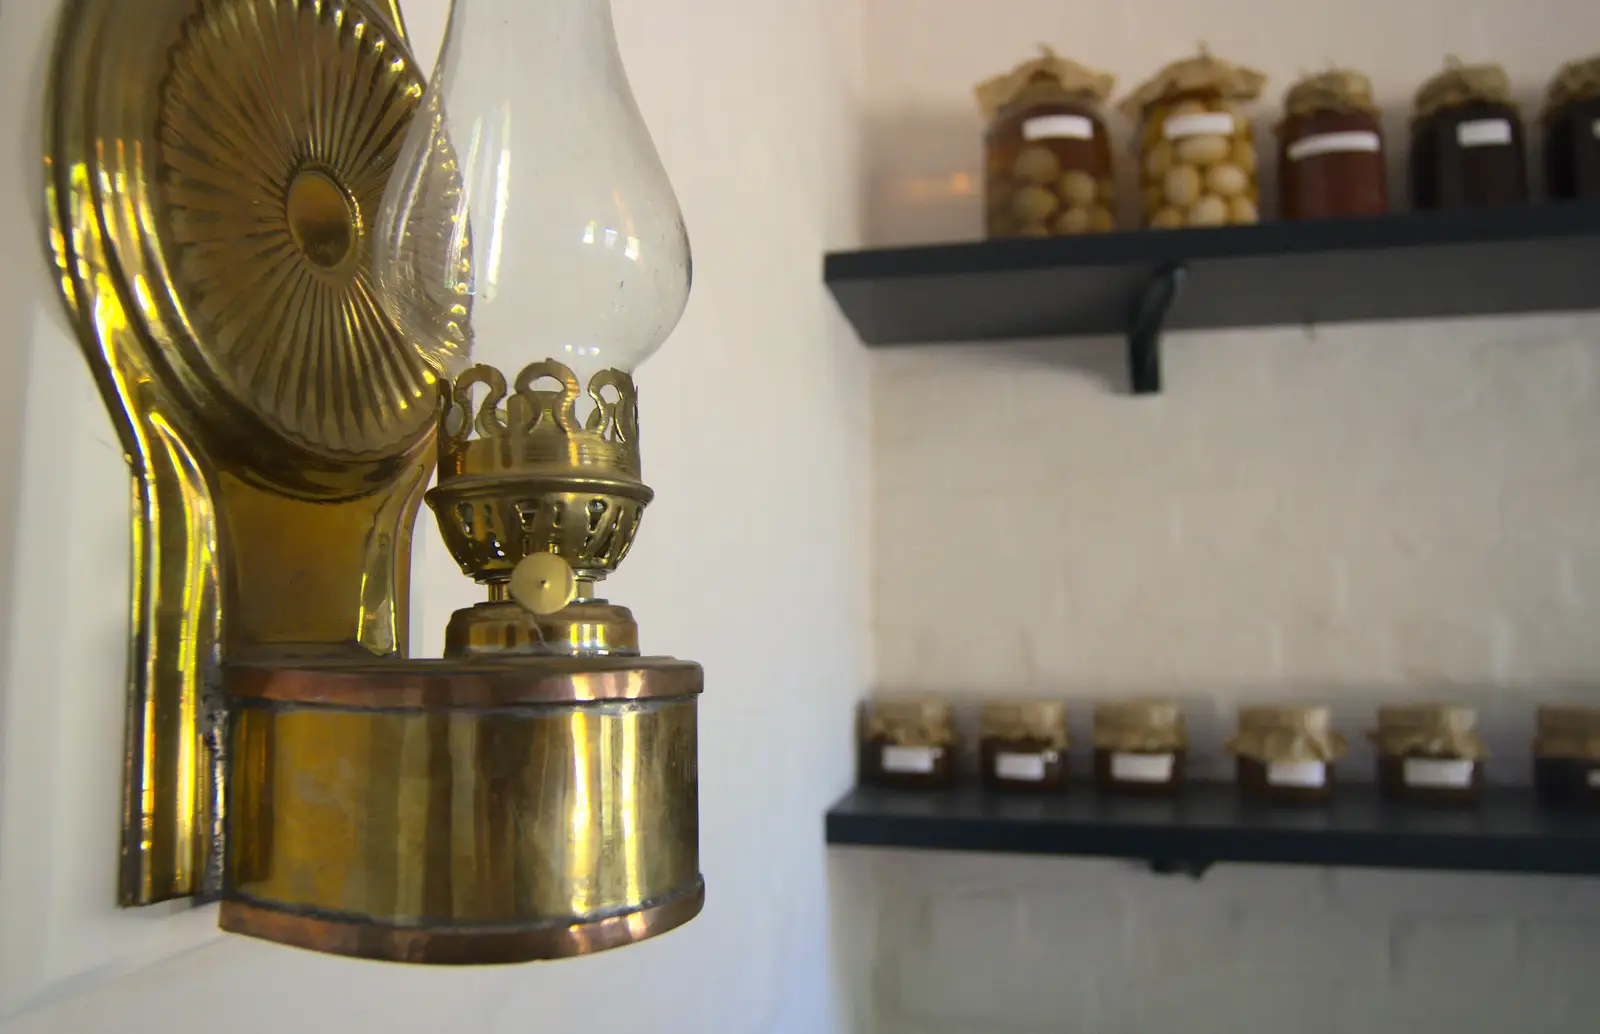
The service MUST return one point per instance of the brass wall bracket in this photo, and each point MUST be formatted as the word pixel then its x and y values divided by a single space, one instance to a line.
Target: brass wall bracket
pixel 212 167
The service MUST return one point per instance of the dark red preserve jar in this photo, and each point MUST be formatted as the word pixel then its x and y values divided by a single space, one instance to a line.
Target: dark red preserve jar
pixel 1572 131
pixel 1330 154
pixel 1467 145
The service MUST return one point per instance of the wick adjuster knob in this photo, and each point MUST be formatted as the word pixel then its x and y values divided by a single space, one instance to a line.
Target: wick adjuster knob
pixel 543 583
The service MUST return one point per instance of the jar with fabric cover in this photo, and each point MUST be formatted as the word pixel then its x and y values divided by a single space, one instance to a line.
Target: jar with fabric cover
pixel 1139 746
pixel 1467 145
pixel 1429 754
pixel 907 742
pixel 1023 745
pixel 1286 754
pixel 1047 154
pixel 1197 152
pixel 1572 131
pixel 1566 757
pixel 1330 149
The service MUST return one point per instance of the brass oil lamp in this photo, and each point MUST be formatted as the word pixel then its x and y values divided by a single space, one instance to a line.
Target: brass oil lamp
pixel 303 279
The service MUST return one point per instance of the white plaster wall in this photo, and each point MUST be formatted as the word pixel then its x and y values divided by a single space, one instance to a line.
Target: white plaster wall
pixel 752 561
pixel 1345 514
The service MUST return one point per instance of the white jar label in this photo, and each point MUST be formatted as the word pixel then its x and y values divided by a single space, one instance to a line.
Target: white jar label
pixel 1058 127
pixel 1484 132
pixel 1141 768
pixel 1297 773
pixel 1333 143
pixel 1208 123
pixel 1594 778
pixel 1437 773
pixel 1029 767
pixel 910 759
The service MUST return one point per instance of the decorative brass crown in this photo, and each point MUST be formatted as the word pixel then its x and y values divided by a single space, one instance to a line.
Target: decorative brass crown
pixel 521 474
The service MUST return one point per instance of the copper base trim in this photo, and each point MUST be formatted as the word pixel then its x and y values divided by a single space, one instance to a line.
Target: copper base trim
pixel 476 683
pixel 459 945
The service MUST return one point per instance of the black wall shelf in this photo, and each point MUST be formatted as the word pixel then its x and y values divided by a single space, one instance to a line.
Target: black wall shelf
pixel 1507 832
pixel 1520 259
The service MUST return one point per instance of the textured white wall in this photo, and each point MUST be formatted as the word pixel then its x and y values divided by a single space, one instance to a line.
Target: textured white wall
pixel 752 561
pixel 1346 514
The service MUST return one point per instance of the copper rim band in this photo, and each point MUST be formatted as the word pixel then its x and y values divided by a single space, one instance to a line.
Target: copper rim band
pixel 475 684
pixel 460 945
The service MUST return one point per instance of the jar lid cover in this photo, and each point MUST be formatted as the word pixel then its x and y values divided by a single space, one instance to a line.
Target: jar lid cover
pixel 1338 89
pixel 1577 81
pixel 1063 75
pixel 1287 733
pixel 1202 73
pixel 1463 84
pixel 1428 730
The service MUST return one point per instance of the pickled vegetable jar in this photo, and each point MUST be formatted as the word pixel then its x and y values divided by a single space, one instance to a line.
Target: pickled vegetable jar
pixel 908 743
pixel 1467 147
pixel 1139 746
pixel 1196 145
pixel 1048 157
pixel 1330 156
pixel 1286 754
pixel 1429 754
pixel 1023 745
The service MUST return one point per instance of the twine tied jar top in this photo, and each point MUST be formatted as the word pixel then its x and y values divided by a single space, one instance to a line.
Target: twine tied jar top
pixel 1139 726
pixel 908 722
pixel 1033 721
pixel 1568 732
pixel 1286 734
pixel 1428 731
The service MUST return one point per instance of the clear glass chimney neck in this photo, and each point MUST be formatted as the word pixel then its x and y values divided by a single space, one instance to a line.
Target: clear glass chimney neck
pixel 530 217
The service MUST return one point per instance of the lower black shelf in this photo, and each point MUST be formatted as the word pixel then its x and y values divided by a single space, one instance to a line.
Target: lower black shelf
pixel 1507 832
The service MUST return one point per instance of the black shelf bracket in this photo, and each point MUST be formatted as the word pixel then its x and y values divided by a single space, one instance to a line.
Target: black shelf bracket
pixel 1150 310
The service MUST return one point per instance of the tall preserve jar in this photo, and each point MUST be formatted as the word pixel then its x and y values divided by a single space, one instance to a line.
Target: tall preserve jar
pixel 1048 157
pixel 1572 131
pixel 1467 144
pixel 1197 152
pixel 1330 149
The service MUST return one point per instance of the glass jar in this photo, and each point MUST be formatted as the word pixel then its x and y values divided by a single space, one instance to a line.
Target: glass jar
pixel 1566 757
pixel 1197 154
pixel 1572 132
pixel 1048 156
pixel 1467 146
pixel 1139 747
pixel 1286 755
pixel 1429 754
pixel 1023 745
pixel 1330 157
pixel 907 743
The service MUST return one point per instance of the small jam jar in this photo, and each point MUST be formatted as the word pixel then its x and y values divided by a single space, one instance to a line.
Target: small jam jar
pixel 1286 755
pixel 1566 757
pixel 1467 147
pixel 1429 754
pixel 1048 155
pixel 1330 156
pixel 1572 131
pixel 1139 746
pixel 1023 745
pixel 1197 151
pixel 907 743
